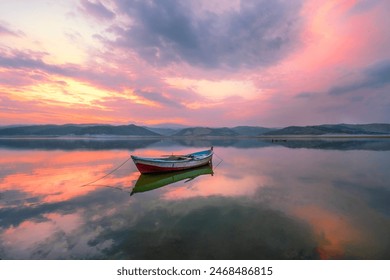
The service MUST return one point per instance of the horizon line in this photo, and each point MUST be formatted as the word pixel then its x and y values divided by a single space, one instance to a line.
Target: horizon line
pixel 186 126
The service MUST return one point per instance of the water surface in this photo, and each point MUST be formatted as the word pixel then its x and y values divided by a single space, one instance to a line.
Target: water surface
pixel 286 200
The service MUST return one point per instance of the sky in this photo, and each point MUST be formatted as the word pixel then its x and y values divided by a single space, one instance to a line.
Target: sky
pixel 197 63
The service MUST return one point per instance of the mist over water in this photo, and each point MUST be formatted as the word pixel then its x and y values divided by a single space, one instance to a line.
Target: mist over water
pixel 287 200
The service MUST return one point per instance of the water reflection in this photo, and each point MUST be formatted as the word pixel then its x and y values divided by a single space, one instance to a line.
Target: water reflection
pixel 269 202
pixel 132 143
pixel 148 182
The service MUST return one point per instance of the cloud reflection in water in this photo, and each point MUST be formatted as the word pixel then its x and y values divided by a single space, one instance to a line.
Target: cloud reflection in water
pixel 269 202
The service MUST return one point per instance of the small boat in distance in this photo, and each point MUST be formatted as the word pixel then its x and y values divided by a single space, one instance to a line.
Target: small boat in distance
pixel 173 162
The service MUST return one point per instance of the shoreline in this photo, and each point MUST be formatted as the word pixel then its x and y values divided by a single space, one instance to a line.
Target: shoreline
pixel 338 136
pixel 130 137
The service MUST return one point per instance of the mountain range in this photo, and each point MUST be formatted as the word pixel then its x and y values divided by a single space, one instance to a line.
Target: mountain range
pixel 76 130
pixel 335 129
pixel 194 132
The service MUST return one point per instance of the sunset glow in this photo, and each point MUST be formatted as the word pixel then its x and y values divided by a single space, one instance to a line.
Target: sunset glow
pixel 60 177
pixel 210 63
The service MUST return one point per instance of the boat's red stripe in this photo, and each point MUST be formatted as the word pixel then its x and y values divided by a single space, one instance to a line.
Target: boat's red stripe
pixel 144 168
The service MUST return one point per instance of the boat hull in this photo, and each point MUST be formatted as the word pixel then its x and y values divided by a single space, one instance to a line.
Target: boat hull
pixel 159 165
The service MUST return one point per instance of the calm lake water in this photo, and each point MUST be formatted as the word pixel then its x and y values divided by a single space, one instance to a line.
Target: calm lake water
pixel 285 200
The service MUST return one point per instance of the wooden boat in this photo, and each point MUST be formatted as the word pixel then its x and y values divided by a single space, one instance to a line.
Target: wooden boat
pixel 173 162
pixel 148 182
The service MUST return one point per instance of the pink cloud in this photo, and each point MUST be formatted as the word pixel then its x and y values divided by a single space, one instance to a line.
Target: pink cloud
pixel 306 62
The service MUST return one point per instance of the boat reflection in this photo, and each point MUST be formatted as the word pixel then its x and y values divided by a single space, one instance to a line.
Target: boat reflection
pixel 148 182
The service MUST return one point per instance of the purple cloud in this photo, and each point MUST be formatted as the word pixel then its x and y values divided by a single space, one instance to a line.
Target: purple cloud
pixel 305 95
pixel 5 31
pixel 28 60
pixel 374 76
pixel 97 10
pixel 159 98
pixel 15 59
pixel 259 33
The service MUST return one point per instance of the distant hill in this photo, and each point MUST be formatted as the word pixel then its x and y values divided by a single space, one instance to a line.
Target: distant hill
pixel 134 130
pixel 224 131
pixel 251 130
pixel 343 129
pixel 206 131
pixel 77 130
pixel 163 131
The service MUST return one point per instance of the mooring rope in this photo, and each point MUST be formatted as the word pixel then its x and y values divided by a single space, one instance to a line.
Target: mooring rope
pixel 112 171
pixel 221 160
